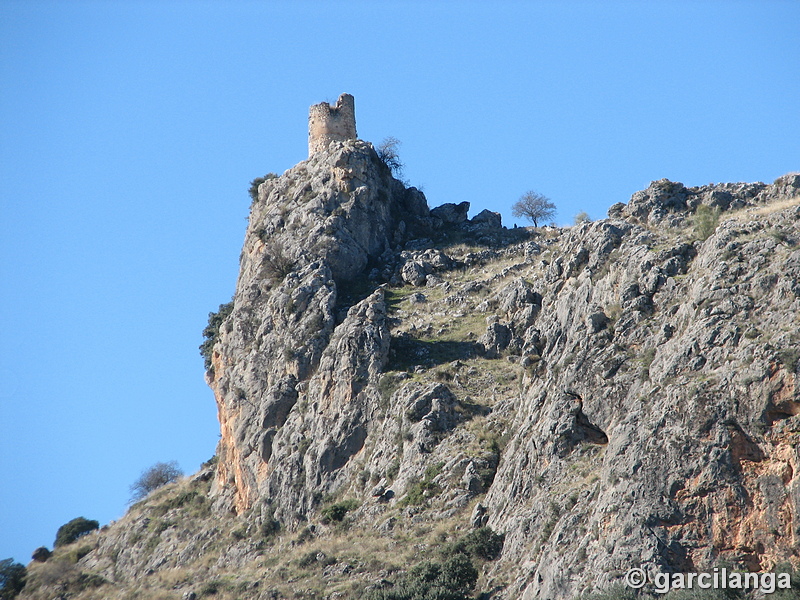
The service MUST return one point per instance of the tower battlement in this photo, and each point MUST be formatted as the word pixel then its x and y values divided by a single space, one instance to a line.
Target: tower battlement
pixel 328 123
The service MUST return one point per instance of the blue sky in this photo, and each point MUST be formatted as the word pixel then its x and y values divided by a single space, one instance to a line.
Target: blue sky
pixel 129 132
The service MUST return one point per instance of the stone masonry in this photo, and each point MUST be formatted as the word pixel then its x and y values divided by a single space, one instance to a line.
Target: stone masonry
pixel 327 123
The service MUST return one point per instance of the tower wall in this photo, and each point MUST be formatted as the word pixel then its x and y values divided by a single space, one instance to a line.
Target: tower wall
pixel 327 123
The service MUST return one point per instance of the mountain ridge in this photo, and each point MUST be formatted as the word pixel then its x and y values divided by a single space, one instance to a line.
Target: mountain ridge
pixel 390 378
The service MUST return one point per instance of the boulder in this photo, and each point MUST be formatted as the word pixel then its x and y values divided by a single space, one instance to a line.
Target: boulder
pixel 451 214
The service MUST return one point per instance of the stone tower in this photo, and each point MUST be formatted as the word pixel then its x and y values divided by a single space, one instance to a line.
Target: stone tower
pixel 328 123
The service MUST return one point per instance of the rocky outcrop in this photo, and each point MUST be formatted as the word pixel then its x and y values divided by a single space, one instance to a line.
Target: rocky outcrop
pixel 451 213
pixel 311 232
pixel 667 202
pixel 290 354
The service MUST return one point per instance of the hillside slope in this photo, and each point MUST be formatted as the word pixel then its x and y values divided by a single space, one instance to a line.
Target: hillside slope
pixel 391 380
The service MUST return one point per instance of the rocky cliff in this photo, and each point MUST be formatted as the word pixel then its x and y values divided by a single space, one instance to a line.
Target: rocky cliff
pixel 390 378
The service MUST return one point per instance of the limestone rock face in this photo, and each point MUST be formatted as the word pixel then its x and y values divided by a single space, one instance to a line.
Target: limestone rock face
pixel 614 394
pixel 653 420
pixel 286 360
pixel 451 213
pixel 655 426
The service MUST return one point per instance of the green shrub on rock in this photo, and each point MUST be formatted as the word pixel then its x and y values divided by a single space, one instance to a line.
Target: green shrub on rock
pixel 41 554
pixel 211 331
pixel 453 579
pixel 253 191
pixel 705 221
pixel 71 531
pixel 337 512
pixel 482 543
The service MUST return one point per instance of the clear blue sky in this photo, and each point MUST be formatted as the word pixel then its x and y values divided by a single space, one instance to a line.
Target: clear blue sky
pixel 129 132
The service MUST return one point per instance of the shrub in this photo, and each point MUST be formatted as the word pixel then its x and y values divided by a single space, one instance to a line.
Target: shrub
pixel 482 543
pixel 459 574
pixel 90 580
pixel 421 491
pixel 705 221
pixel 582 217
pixel 792 593
pixel 393 470
pixel 277 264
pixel 387 384
pixel 315 558
pixel 69 532
pixel 76 554
pixel 617 591
pixel 303 446
pixel 790 358
pixel 534 206
pixel 337 512
pixel 270 527
pixel 41 554
pixel 12 578
pixel 210 588
pixel 305 534
pixel 186 498
pixel 257 182
pixel 153 478
pixel 647 359
pixel 454 579
pixel 211 332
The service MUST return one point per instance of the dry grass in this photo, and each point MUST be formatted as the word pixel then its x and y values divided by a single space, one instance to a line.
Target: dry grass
pixel 343 563
pixel 749 214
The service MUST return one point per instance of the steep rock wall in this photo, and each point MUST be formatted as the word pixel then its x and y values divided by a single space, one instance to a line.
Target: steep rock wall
pixel 288 343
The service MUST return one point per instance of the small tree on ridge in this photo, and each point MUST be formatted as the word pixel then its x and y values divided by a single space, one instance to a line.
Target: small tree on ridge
pixel 153 478
pixel 534 206
pixel 388 153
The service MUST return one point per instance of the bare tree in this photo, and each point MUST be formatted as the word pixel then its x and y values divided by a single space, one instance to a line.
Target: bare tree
pixel 153 478
pixel 534 206
pixel 388 153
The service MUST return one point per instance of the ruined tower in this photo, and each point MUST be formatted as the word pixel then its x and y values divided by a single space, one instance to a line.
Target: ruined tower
pixel 328 123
